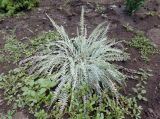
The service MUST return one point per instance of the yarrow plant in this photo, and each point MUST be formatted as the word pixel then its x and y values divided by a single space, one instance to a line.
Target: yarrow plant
pixel 81 62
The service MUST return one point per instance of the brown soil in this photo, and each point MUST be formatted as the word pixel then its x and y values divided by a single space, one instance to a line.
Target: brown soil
pixel 34 22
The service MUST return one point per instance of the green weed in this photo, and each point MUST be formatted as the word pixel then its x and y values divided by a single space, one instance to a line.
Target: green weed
pixel 14 50
pixel 133 5
pixel 99 8
pixel 144 45
pixel 36 93
pixel 10 7
pixel 9 115
pixel 140 89
pixel 41 115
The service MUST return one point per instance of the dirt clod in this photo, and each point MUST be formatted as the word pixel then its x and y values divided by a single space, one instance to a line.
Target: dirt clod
pixel 154 35
pixel 20 115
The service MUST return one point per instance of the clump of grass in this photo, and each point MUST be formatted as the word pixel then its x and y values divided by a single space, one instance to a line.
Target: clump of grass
pixel 144 45
pixel 10 7
pixel 133 5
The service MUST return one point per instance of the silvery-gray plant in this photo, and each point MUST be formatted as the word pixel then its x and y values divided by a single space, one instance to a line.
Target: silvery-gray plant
pixel 80 61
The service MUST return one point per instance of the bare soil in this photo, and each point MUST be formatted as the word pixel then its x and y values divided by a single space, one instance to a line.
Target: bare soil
pixel 34 22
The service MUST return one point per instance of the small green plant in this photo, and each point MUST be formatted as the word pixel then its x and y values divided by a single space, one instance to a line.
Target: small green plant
pixel 12 84
pixel 8 115
pixel 99 8
pixel 133 5
pixel 140 89
pixel 41 115
pixel 145 46
pixel 11 7
pixel 153 13
pixel 128 27
pixel 16 49
pixel 13 48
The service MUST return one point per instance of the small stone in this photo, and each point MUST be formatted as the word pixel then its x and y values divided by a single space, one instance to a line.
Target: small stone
pixel 118 10
pixel 39 9
pixel 1 101
pixel 151 110
pixel 7 27
pixel 154 35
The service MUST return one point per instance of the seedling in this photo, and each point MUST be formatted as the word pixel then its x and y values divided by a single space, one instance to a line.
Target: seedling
pixel 140 89
pixel 128 27
pixel 144 45
pixel 99 8
pixel 153 13
pixel 9 115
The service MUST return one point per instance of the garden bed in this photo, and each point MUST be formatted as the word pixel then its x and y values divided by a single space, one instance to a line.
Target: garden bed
pixel 122 27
